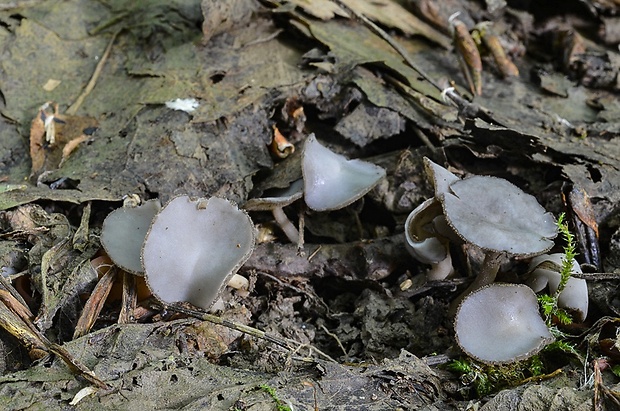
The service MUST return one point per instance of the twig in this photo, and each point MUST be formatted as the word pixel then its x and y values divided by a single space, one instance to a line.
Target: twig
pixel 93 80
pixel 423 138
pixel 601 392
pixel 76 366
pixel 263 39
pixel 302 225
pixel 596 276
pixel 539 378
pixel 19 4
pixel 335 337
pixel 129 299
pixel 9 287
pixel 315 252
pixel 286 343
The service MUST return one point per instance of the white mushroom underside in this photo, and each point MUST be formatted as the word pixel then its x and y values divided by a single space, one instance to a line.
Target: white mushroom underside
pixel 331 181
pixel 500 323
pixel 575 294
pixel 421 242
pixel 193 247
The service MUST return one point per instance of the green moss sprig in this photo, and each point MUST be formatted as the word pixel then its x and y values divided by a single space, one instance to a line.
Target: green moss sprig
pixel 569 254
pixel 280 406
pixel 487 379
pixel 549 303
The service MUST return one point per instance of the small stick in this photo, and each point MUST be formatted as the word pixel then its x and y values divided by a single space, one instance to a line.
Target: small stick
pixel 302 224
pixel 539 378
pixel 423 138
pixel 335 337
pixel 93 80
pixel 129 299
pixel 77 367
pixel 286 343
pixel 9 287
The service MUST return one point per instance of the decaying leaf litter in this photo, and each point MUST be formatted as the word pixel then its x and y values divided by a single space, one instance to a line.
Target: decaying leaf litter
pixel 352 291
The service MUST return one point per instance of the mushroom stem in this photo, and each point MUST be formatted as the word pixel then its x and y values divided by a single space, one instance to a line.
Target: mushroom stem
pixel 487 274
pixel 488 271
pixel 441 270
pixel 285 224
pixel 301 240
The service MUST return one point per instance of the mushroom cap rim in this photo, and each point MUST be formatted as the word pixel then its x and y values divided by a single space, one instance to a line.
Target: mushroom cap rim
pixel 105 246
pixel 542 344
pixel 199 204
pixel 441 199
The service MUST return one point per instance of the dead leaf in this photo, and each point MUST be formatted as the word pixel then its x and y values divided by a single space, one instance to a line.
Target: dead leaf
pixel 386 12
pixel 54 136
pixel 222 15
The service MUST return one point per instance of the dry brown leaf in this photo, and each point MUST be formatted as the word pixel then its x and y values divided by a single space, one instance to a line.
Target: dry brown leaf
pixel 386 12
pixel 54 136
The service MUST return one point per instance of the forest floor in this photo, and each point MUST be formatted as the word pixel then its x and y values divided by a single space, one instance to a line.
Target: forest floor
pixel 364 329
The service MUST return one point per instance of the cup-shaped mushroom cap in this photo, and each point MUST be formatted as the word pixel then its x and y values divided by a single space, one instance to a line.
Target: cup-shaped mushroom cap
pixel 193 248
pixel 426 243
pixel 545 271
pixel 123 233
pixel 278 197
pixel 496 215
pixel 422 240
pixel 440 177
pixel 500 323
pixel 331 181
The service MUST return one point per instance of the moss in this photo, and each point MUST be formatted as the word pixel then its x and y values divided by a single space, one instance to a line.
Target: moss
pixel 549 303
pixel 487 379
pixel 280 406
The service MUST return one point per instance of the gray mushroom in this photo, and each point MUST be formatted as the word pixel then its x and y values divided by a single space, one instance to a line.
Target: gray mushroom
pixel 425 243
pixel 275 200
pixel 545 272
pixel 331 181
pixel 194 247
pixel 440 177
pixel 500 323
pixel 495 215
pixel 123 233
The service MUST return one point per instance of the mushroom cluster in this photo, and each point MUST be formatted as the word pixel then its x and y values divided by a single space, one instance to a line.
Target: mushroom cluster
pixel 190 249
pixel 488 212
pixel 187 251
pixel 494 323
